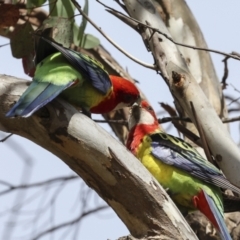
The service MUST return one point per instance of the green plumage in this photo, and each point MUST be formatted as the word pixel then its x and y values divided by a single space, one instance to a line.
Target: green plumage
pixel 76 77
pixel 191 181
pixel 181 186
pixel 56 70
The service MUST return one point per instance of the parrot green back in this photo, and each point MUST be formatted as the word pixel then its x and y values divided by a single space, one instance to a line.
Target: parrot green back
pixel 57 70
pixel 180 184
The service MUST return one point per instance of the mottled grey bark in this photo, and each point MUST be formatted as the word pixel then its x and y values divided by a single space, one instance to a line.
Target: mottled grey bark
pixel 101 161
pixel 185 88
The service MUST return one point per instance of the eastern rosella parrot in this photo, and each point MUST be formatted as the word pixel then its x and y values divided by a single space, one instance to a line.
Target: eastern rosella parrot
pixel 77 78
pixel 192 182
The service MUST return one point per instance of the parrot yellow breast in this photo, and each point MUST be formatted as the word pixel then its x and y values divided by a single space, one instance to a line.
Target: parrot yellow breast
pixel 87 95
pixel 180 185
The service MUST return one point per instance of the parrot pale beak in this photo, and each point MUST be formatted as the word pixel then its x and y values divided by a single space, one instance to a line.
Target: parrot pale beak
pixel 135 114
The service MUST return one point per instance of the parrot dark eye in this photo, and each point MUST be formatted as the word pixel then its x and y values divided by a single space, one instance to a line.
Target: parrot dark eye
pixel 128 98
pixel 149 108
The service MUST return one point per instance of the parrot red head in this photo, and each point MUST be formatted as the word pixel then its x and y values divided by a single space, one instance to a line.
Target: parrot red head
pixel 124 93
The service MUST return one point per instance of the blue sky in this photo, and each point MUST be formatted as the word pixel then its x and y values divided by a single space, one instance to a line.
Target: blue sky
pixel 219 22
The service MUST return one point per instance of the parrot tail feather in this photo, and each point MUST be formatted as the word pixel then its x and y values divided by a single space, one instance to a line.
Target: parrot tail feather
pixel 36 96
pixel 206 205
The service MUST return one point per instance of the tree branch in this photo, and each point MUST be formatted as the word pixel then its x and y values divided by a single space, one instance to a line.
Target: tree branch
pixel 38 184
pixel 102 162
pixel 109 39
pixel 185 88
pixel 71 222
pixel 130 21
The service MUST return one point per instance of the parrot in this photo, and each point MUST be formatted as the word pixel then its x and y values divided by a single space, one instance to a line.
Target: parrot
pixel 192 182
pixel 77 78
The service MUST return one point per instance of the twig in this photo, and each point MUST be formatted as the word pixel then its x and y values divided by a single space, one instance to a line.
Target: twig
pixel 120 121
pixel 110 40
pixel 231 110
pixel 234 100
pixel 168 119
pixel 174 118
pixel 169 109
pixel 50 205
pixel 38 184
pixel 234 119
pixel 235 89
pixel 6 138
pixel 189 134
pixel 160 120
pixel 227 120
pixel 226 71
pixel 118 2
pixel 225 74
pixel 69 223
pixel 3 45
pixel 5 183
pixel 13 215
pixel 234 56
pixel 127 21
pixel 202 135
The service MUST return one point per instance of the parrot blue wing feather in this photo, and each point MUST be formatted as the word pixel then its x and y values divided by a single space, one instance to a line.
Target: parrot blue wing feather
pixel 189 161
pixel 36 96
pixel 218 217
pixel 89 68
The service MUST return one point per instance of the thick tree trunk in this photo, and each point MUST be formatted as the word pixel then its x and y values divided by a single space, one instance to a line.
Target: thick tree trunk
pixel 184 29
pixel 184 87
pixel 194 69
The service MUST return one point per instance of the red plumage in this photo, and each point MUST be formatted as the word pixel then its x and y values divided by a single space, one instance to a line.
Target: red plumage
pixel 124 93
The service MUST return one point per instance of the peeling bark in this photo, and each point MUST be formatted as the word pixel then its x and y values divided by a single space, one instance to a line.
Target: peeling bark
pixel 102 162
pixel 168 60
pixel 184 28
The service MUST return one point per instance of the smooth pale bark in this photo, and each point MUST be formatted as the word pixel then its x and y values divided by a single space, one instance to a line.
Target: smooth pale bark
pixel 185 88
pixel 119 178
pixel 184 29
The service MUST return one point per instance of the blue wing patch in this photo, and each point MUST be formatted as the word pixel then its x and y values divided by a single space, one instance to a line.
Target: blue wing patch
pixel 190 161
pixel 36 96
pixel 88 67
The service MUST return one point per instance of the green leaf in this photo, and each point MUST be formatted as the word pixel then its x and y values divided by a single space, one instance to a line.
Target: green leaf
pixel 89 41
pixel 61 8
pixel 61 30
pixel 35 3
pixel 21 41
pixel 83 24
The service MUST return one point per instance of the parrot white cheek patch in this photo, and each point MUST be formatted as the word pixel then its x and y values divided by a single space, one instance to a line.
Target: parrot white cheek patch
pixel 146 118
